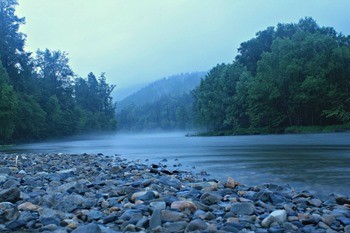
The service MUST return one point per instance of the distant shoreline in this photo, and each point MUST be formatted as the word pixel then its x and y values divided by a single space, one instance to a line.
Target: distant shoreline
pixel 289 130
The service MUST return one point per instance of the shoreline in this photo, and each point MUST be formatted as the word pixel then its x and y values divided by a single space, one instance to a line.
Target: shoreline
pixel 99 193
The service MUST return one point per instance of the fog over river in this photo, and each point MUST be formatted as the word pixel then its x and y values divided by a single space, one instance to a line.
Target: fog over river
pixel 318 162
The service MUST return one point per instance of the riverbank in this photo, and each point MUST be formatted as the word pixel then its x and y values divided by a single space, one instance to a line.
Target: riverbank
pixel 97 193
pixel 288 130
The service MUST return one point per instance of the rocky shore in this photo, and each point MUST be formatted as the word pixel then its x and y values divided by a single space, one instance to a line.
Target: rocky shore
pixel 97 193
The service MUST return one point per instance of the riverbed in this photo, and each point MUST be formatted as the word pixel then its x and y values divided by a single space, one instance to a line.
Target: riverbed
pixel 316 162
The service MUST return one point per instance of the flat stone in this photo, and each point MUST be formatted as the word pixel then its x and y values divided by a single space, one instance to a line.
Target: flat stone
pixel 158 205
pixel 171 216
pixel 243 208
pixel 315 202
pixel 28 206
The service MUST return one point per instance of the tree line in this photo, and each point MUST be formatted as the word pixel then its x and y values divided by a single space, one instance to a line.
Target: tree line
pixel 166 104
pixel 292 75
pixel 40 96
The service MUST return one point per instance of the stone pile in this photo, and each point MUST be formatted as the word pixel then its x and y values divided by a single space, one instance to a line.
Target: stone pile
pixel 96 193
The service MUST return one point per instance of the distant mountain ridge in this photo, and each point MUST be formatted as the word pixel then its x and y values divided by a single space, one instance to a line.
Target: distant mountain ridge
pixel 172 86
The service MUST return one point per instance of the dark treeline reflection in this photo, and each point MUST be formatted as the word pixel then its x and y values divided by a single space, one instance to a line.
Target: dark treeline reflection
pixel 40 96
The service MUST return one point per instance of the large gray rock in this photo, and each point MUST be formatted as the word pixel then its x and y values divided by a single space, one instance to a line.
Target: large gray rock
pixel 171 216
pixel 10 195
pixel 210 198
pixel 243 209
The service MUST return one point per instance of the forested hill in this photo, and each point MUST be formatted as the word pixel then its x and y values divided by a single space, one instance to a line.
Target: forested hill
pixel 285 79
pixel 172 86
pixel 166 104
pixel 40 96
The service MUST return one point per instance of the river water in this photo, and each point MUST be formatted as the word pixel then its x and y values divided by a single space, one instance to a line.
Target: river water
pixel 316 162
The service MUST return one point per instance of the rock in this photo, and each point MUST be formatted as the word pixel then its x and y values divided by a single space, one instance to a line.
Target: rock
pixel 196 225
pixel 183 205
pixel 130 228
pixel 8 212
pixel 28 206
pixel 10 195
pixel 341 200
pixel 171 216
pixel 328 219
pixel 145 195
pixel 15 225
pixel 209 199
pixel 175 226
pixel 94 215
pixel 171 182
pixel 279 216
pixel 315 202
pixel 264 196
pixel 345 221
pixel 231 183
pixel 49 216
pixel 243 209
pixel 158 205
pixel 3 178
pixel 156 219
pixel 90 228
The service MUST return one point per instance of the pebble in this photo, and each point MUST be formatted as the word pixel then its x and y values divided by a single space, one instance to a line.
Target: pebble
pixel 89 193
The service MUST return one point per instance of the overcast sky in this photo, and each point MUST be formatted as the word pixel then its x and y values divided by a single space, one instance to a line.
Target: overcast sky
pixel 137 41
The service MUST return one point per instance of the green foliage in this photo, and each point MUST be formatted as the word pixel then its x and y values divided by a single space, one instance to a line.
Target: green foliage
pixel 38 98
pixel 294 75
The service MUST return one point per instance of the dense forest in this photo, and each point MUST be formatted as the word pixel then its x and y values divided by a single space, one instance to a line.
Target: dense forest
pixel 166 104
pixel 40 96
pixel 286 78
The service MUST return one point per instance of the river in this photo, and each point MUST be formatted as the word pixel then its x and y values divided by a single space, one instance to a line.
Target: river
pixel 314 162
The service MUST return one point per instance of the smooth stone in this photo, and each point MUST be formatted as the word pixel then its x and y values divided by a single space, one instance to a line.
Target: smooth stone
pixel 28 206
pixel 3 178
pixel 183 205
pixel 279 216
pixel 231 183
pixel 170 181
pixel 8 212
pixel 209 198
pixel 90 228
pixel 171 216
pixel 144 194
pixel 10 195
pixel 156 219
pixel 196 225
pixel 243 208
pixel 110 218
pixel 158 205
pixel 264 196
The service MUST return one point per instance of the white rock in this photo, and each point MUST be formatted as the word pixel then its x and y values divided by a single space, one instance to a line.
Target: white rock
pixel 279 216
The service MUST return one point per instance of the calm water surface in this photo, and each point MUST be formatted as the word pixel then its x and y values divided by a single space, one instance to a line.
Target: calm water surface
pixel 318 162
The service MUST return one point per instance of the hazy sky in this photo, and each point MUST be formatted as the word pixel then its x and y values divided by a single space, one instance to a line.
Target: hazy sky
pixel 136 41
